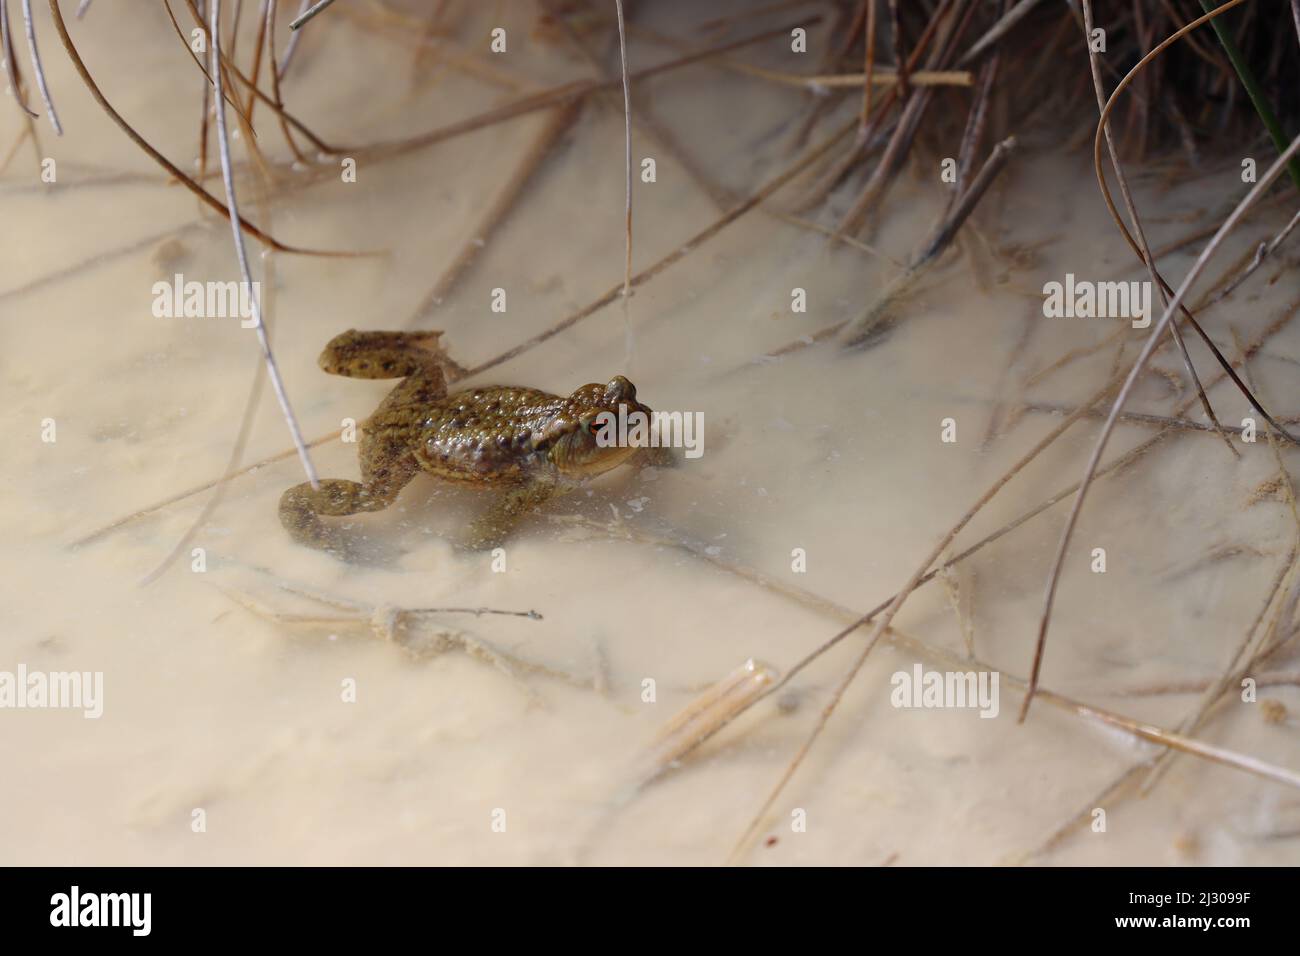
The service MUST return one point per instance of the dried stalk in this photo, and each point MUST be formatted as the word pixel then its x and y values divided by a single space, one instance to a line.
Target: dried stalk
pixel 228 178
pixel 37 68
pixel 1094 459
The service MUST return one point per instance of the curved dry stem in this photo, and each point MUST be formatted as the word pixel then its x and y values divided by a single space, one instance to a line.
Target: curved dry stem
pixel 1128 237
pixel 259 44
pixel 245 116
pixel 271 102
pixel 1089 471
pixel 162 160
pixel 1144 248
pixel 275 84
pixel 185 42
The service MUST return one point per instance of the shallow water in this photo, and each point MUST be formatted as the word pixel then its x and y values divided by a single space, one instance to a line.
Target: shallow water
pixel 675 576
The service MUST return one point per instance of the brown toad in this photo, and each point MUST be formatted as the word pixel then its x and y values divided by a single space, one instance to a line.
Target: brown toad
pixel 528 444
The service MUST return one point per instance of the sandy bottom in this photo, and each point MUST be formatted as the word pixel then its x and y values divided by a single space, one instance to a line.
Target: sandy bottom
pixel 317 742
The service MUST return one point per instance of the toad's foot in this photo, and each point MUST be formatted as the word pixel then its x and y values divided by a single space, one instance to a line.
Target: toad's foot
pixel 386 355
pixel 302 507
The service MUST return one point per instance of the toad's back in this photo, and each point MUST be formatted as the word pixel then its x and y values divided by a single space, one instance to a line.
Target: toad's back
pixel 493 434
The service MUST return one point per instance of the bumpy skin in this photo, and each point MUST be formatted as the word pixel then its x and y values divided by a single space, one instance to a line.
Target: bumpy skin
pixel 530 444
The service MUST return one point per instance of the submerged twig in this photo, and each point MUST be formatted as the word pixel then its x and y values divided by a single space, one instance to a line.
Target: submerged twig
pixel 856 622
pixel 1137 418
pixel 144 512
pixel 703 717
pixel 886 617
pixel 1123 460
pixel 557 124
pixel 563 93
pixel 251 404
pixel 679 252
pixel 877 77
pixel 861 328
pixel 1193 685
pixel 1236 670
pixel 1264 250
pixel 232 467
pixel 1180 742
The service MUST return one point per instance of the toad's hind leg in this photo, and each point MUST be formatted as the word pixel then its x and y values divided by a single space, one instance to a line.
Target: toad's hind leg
pixel 387 355
pixel 302 507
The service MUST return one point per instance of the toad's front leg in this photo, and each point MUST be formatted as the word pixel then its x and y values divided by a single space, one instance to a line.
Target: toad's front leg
pixel 511 507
